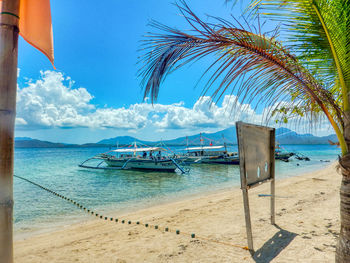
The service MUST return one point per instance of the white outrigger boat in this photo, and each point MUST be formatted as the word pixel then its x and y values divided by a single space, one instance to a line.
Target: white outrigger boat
pixel 144 158
pixel 210 155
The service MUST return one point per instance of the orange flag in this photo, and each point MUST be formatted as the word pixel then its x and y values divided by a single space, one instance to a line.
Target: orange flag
pixel 35 25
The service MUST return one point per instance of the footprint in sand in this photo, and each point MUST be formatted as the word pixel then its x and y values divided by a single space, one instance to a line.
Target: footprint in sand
pixel 306 237
pixel 329 225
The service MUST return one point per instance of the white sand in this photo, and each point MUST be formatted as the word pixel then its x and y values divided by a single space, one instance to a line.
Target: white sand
pixel 307 218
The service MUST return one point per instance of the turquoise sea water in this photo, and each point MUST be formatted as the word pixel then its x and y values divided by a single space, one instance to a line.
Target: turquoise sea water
pixel 119 191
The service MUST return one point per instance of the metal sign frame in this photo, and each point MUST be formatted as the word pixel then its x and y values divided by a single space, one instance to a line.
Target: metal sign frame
pixel 256 146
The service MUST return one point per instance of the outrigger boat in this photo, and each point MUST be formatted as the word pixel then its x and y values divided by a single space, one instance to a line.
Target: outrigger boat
pixel 144 158
pixel 218 155
pixel 210 155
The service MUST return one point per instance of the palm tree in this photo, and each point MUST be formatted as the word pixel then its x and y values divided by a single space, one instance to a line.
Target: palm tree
pixel 312 72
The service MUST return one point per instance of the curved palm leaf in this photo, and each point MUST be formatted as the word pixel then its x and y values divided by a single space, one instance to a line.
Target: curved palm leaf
pixel 271 71
pixel 318 31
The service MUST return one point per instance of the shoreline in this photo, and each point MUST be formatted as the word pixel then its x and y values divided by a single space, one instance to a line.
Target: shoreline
pixel 137 206
pixel 307 215
pixel 146 204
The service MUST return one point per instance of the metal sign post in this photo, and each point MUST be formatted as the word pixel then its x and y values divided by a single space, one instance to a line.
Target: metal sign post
pixel 256 146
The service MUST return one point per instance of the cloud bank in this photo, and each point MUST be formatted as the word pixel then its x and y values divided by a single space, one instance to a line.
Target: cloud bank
pixel 53 102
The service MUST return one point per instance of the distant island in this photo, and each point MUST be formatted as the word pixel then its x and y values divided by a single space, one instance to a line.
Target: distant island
pixel 283 136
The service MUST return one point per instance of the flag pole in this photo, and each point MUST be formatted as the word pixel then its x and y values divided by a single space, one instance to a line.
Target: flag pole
pixel 8 86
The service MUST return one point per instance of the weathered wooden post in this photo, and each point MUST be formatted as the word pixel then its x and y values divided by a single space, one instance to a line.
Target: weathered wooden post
pixel 8 86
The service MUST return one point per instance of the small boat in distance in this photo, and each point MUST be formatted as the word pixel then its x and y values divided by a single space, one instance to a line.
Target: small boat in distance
pixel 283 156
pixel 142 158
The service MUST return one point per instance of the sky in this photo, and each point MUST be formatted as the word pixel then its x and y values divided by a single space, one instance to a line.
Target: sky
pixel 95 93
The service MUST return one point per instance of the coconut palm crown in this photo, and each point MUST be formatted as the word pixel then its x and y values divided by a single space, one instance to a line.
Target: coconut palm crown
pixel 311 71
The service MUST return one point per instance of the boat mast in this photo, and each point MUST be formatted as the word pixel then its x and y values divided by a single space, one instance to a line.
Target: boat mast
pixel 223 138
pixel 201 140
pixel 187 143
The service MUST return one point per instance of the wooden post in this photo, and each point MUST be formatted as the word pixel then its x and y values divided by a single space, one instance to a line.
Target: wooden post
pixel 248 222
pixel 272 167
pixel 8 87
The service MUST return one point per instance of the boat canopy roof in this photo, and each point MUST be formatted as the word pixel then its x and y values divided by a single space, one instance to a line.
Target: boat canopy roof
pixel 144 149
pixel 201 148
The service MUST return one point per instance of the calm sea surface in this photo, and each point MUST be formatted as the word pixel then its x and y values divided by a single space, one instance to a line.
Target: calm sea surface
pixel 119 191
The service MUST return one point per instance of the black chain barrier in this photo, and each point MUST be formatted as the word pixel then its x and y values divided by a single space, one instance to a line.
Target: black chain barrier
pixel 129 222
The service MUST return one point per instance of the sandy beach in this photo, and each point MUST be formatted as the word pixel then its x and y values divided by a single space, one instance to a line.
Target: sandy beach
pixel 307 218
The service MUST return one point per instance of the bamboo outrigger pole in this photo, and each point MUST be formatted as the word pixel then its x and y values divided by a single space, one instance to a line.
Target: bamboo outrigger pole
pixel 8 87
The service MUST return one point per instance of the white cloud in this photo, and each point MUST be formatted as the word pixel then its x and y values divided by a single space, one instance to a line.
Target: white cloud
pixel 53 101
pixel 205 113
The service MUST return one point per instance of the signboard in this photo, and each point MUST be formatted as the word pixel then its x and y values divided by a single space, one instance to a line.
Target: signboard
pixel 256 145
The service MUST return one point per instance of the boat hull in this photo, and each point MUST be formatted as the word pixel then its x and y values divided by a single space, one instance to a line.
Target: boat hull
pixel 233 160
pixel 142 164
pixel 212 160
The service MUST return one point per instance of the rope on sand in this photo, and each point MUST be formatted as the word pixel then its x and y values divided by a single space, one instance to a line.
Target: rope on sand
pixel 129 222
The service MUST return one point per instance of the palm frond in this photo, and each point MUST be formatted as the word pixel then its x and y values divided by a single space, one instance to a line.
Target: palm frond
pixel 271 72
pixel 318 32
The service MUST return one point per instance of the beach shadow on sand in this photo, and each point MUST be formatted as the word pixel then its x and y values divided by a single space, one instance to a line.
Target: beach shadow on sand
pixel 274 246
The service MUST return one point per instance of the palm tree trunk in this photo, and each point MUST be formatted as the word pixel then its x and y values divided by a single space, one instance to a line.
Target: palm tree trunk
pixel 8 81
pixel 343 246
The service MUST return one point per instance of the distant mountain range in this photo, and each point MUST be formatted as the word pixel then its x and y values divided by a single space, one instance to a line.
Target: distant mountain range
pixel 25 142
pixel 283 136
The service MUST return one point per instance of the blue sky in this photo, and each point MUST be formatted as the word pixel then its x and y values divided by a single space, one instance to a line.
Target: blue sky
pixel 95 93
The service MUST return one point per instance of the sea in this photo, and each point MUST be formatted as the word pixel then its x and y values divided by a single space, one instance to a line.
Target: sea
pixel 116 192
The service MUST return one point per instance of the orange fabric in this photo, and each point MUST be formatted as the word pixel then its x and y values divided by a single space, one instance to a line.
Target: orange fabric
pixel 35 25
